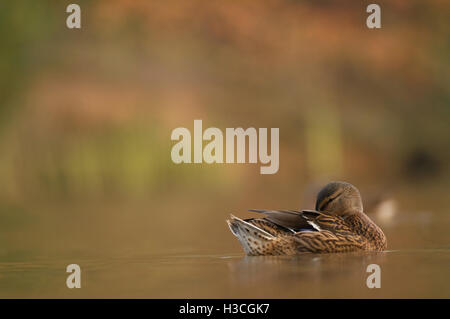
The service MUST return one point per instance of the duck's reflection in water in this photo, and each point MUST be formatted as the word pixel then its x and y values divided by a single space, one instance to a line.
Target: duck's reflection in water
pixel 282 273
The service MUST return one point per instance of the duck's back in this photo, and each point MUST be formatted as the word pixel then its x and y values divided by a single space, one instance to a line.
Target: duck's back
pixel 293 232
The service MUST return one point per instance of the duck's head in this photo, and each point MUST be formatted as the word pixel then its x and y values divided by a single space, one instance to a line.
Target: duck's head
pixel 339 198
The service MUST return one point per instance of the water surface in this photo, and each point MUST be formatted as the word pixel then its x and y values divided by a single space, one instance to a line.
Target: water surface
pixel 404 274
pixel 132 250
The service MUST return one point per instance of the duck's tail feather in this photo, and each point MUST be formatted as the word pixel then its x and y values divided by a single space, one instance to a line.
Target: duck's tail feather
pixel 254 240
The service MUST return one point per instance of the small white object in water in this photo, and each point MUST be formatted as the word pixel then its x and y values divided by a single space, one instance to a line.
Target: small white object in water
pixel 386 211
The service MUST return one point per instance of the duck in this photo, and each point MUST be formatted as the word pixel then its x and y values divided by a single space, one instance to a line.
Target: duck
pixel 337 225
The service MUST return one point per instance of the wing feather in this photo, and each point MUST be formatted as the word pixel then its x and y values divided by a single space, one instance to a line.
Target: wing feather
pixel 306 220
pixel 291 219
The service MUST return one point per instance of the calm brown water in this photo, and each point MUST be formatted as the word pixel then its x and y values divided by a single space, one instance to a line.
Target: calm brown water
pixel 122 256
pixel 124 251
pixel 404 274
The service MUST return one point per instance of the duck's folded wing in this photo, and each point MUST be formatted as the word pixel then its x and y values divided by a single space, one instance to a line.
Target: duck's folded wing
pixel 306 220
pixel 295 220
pixel 332 223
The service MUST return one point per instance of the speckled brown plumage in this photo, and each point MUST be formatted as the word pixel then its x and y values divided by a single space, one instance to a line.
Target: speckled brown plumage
pixel 339 226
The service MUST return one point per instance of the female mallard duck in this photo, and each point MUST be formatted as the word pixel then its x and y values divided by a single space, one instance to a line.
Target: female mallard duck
pixel 337 225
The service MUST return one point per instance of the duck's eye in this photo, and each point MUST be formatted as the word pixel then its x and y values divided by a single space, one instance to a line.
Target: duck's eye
pixel 329 200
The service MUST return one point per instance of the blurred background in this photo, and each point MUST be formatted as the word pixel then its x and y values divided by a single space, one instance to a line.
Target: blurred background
pixel 86 117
